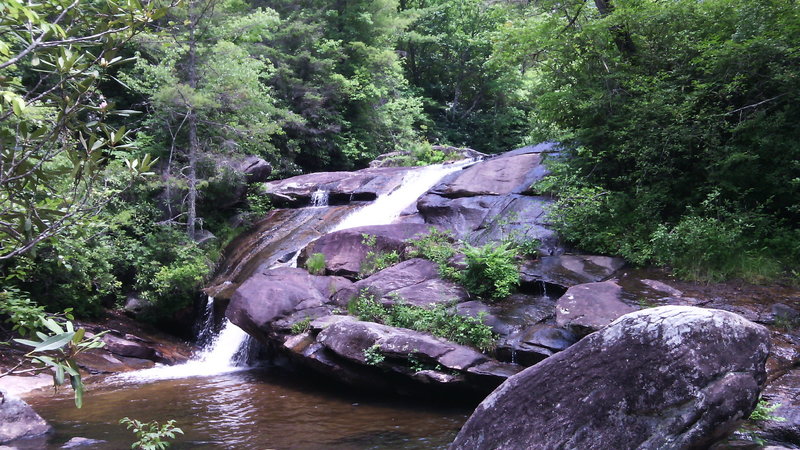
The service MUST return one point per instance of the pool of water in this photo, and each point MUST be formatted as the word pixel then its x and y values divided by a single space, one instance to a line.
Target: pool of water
pixel 253 409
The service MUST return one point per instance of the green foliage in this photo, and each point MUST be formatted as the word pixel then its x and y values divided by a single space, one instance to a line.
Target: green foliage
pixel 375 261
pixel 439 247
pixel 258 204
pixel 438 320
pixel 315 264
pixel 764 412
pixel 470 100
pixel 373 355
pixel 492 270
pixel 55 122
pixel 24 315
pixel 301 326
pixel 57 350
pixel 151 435
pixel 662 106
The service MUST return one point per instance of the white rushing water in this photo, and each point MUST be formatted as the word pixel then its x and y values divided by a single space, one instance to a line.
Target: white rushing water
pixel 223 354
pixel 386 208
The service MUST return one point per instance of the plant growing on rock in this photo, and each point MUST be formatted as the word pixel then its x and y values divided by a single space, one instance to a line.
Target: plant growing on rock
pixel 315 264
pixel 375 261
pixel 439 247
pixel 438 320
pixel 301 326
pixel 491 270
pixel 373 355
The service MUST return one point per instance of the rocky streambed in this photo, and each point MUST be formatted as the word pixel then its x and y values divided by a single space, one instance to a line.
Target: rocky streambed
pixel 561 298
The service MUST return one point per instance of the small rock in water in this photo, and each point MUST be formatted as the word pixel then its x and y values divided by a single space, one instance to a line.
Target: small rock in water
pixel 81 442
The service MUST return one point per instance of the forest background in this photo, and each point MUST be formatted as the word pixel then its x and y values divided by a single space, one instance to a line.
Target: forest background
pixel 119 123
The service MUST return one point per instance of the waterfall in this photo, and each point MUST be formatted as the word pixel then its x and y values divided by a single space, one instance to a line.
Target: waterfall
pixel 319 198
pixel 386 208
pixel 220 354
pixel 224 353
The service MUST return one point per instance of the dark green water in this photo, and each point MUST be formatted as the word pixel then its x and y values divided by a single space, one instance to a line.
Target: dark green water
pixel 255 409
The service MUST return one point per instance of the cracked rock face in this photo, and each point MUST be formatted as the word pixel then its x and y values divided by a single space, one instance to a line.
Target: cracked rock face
pixel 667 377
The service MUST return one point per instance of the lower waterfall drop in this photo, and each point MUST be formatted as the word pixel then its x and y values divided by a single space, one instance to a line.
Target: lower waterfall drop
pixel 226 352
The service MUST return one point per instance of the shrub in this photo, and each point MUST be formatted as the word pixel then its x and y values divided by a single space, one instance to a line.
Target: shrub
pixel 151 435
pixel 375 261
pixel 439 247
pixel 373 355
pixel 439 320
pixel 707 248
pixel 315 264
pixel 491 270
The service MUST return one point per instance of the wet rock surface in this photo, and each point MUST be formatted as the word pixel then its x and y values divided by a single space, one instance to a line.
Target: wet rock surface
pixel 670 377
pixel 588 307
pixel 18 420
pixel 346 250
pixel 562 297
pixel 342 187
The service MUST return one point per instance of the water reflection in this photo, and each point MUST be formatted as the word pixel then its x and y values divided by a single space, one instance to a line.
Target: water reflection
pixel 258 409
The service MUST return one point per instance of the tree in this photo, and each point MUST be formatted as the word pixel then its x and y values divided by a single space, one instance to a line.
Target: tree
pixel 676 118
pixel 204 91
pixel 53 132
pixel 447 55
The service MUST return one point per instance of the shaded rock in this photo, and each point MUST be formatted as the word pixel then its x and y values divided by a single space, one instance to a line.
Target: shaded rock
pixel 589 307
pixel 534 344
pixel 255 169
pixel 486 218
pixel 345 251
pixel 273 294
pixel 415 281
pixel 668 377
pixel 350 339
pixel 786 392
pixel 280 234
pixel 134 305
pixel 503 175
pixel 569 270
pixel 203 237
pixel 128 347
pixel 342 187
pixel 512 314
pixel 18 420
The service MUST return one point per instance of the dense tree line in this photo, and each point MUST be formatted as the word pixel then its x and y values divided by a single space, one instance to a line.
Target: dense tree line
pixel 677 121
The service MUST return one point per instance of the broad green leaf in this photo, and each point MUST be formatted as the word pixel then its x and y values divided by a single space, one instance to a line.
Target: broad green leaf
pixel 54 342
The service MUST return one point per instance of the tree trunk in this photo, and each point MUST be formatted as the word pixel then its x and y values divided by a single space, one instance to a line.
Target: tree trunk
pixel 191 123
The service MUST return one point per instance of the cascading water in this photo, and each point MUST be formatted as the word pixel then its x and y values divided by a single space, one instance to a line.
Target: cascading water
pixel 320 198
pixel 223 353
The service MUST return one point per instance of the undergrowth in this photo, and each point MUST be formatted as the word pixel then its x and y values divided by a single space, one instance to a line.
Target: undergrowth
pixel 439 320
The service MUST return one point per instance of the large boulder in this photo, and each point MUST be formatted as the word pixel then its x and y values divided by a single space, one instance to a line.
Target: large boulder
pixel 18 420
pixel 342 187
pixel 272 240
pixel 502 175
pixel 345 250
pixel 255 169
pixel 591 306
pixel 274 294
pixel 354 340
pixel 667 377
pixel 415 281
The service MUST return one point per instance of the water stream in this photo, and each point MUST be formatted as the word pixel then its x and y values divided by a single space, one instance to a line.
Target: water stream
pixel 235 406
